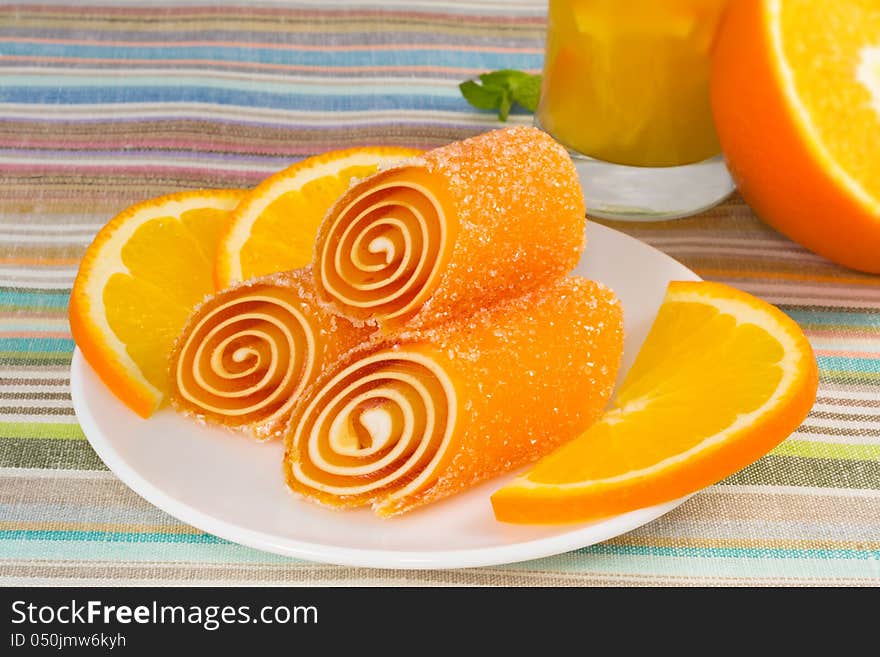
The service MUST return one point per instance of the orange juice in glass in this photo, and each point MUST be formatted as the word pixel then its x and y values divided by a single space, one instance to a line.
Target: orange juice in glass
pixel 626 89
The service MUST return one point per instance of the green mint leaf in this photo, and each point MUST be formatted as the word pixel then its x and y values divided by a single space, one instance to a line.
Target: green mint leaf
pixel 504 105
pixel 499 90
pixel 505 78
pixel 479 96
pixel 527 92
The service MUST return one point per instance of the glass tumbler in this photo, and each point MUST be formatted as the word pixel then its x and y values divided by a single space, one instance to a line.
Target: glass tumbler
pixel 626 90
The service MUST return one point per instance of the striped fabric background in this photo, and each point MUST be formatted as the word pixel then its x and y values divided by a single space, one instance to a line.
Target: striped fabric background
pixel 107 104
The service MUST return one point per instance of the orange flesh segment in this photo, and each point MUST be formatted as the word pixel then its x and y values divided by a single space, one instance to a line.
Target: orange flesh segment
pixel 151 293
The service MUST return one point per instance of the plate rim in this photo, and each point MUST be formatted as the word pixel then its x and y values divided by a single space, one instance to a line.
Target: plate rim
pixel 362 557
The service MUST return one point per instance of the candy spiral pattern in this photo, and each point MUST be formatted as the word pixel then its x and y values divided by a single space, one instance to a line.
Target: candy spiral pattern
pixel 417 416
pixel 378 427
pixel 385 245
pixel 247 354
pixel 452 231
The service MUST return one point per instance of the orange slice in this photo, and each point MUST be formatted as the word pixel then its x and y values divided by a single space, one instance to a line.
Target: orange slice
pixel 137 284
pixel 274 227
pixel 796 101
pixel 721 379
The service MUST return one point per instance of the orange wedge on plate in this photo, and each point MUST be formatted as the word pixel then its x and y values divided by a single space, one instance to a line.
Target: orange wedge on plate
pixel 274 227
pixel 720 380
pixel 137 284
pixel 796 101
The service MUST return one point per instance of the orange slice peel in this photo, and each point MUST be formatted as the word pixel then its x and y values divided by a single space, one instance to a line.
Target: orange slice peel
pixel 136 285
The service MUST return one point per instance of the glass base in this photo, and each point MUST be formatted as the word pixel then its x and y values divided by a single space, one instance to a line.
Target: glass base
pixel 624 193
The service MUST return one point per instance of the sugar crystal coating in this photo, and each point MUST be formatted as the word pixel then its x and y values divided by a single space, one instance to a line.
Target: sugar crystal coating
pixel 457 229
pixel 247 352
pixel 489 392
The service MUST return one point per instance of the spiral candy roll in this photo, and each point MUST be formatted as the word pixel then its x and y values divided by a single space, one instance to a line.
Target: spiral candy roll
pixel 248 352
pixel 407 420
pixel 452 231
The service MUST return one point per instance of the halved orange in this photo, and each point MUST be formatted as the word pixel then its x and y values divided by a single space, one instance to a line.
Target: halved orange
pixel 138 283
pixel 721 379
pixel 796 100
pixel 274 227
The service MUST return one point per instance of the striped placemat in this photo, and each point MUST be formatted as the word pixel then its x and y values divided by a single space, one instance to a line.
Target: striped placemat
pixel 107 104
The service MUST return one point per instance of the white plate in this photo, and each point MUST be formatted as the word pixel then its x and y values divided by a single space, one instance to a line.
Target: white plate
pixel 232 487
